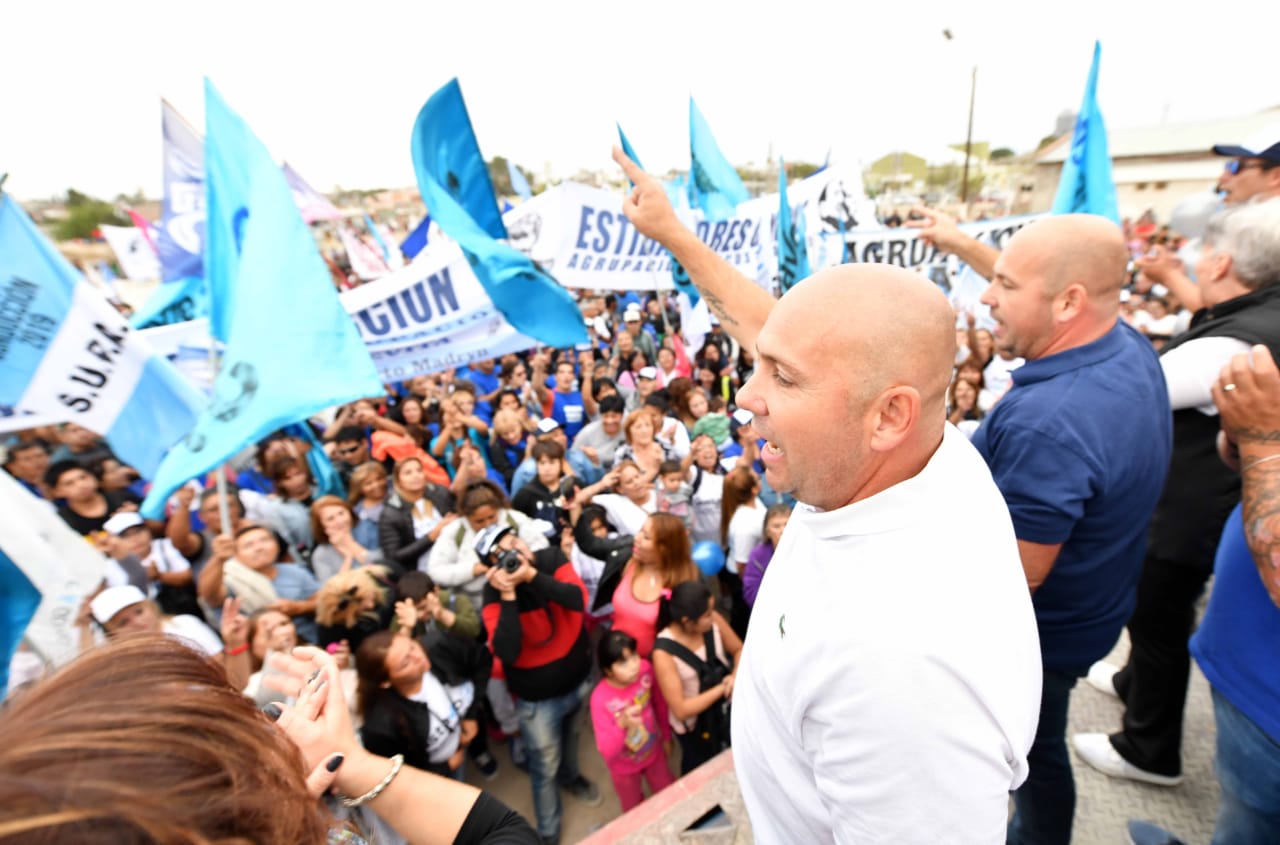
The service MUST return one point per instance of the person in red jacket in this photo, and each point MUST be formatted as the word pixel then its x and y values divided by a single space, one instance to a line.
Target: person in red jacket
pixel 533 610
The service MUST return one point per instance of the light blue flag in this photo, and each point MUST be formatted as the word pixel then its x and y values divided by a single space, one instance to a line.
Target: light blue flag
pixel 70 356
pixel 291 349
pixel 377 236
pixel 19 599
pixel 445 146
pixel 679 276
pixel 531 300
pixel 793 255
pixel 180 232
pixel 416 240
pixel 1086 185
pixel 715 186
pixel 326 478
pixel 519 184
pixel 177 302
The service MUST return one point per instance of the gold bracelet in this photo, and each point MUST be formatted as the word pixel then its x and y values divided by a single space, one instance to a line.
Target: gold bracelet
pixel 396 762
pixel 1253 464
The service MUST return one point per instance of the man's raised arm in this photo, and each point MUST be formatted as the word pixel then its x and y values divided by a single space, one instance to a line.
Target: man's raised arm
pixel 739 303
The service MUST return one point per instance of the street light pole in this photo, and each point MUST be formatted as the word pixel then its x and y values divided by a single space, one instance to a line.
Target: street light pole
pixel 968 142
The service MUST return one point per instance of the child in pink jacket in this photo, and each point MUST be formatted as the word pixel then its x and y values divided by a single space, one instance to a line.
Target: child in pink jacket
pixel 630 719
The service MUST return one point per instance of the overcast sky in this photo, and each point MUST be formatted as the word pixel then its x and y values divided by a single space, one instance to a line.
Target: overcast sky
pixel 334 87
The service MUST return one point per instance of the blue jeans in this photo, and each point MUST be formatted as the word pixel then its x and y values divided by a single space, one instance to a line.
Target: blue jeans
pixel 1045 804
pixel 1248 764
pixel 553 751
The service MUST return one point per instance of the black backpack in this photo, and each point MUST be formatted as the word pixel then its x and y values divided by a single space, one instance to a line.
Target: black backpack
pixel 712 724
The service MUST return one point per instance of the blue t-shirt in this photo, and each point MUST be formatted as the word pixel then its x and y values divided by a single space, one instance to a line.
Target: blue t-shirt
pixel 1238 637
pixel 1080 447
pixel 295 583
pixel 568 410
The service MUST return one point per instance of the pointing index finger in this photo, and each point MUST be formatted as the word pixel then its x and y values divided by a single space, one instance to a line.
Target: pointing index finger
pixel 629 167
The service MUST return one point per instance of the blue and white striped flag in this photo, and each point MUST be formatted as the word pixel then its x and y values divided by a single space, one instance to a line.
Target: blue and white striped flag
pixel 66 354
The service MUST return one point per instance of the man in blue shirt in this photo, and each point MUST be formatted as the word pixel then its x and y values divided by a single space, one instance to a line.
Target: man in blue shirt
pixel 1079 447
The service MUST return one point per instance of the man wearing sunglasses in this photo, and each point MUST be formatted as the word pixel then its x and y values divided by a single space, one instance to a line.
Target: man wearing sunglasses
pixel 1252 173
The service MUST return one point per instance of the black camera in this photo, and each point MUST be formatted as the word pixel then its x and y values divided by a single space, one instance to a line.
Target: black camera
pixel 508 559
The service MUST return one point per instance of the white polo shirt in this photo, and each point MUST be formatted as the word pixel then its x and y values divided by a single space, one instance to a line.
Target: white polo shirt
pixel 889 686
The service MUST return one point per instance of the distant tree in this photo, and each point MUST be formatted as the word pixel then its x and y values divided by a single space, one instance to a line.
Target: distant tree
pixel 1046 141
pixel 501 177
pixel 801 169
pixel 1001 153
pixel 84 215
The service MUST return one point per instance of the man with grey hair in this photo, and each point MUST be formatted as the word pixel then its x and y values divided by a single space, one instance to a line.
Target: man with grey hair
pixel 1239 273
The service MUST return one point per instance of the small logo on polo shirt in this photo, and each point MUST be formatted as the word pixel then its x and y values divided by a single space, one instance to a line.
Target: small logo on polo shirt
pixel 782 625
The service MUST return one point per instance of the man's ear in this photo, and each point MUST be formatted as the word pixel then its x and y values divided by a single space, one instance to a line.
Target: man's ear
pixel 896 412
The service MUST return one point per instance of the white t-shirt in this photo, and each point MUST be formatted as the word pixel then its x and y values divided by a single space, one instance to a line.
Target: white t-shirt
pixel 745 530
pixel 706 508
pixel 624 514
pixel 897 701
pixel 447 704
pixel 194 633
pixel 166 558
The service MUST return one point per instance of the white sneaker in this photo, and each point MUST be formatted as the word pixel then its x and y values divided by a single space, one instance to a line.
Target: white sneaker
pixel 1097 751
pixel 1102 677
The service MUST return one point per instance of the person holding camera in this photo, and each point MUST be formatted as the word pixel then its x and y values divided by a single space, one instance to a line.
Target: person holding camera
pixel 533 610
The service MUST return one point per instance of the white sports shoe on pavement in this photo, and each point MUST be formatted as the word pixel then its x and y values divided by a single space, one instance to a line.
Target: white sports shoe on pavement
pixel 1097 751
pixel 1102 677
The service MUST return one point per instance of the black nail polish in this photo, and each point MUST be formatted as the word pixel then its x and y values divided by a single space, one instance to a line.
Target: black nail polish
pixel 334 763
pixel 272 710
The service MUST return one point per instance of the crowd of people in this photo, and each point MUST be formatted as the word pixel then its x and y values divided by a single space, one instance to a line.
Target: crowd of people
pixel 874 540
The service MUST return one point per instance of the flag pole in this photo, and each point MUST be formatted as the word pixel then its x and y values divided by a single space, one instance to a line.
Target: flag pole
pixel 220 479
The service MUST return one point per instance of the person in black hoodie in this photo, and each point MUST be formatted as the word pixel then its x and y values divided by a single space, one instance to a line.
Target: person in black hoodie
pixel 413 705
pixel 533 610
pixel 413 517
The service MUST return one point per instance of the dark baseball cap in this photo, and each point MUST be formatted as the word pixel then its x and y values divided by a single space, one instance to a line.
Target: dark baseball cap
pixel 1264 144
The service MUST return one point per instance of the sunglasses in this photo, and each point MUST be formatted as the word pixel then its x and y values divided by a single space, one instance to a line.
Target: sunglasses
pixel 350 450
pixel 1235 165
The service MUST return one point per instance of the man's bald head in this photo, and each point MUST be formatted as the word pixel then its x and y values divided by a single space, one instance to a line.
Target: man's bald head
pixel 1083 249
pixel 884 326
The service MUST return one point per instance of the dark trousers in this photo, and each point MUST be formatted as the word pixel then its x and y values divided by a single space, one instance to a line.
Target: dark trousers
pixel 1045 804
pixel 1153 685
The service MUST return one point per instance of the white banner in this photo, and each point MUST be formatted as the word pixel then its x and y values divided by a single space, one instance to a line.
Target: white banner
pixel 59 563
pixel 136 257
pixel 366 262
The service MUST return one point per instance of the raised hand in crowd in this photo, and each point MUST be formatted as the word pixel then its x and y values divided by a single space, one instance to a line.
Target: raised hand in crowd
pixel 234 628
pixel 1248 398
pixel 939 229
pixel 1162 266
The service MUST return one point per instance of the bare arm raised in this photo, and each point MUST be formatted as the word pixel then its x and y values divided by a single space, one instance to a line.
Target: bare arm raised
pixel 940 229
pixel 739 303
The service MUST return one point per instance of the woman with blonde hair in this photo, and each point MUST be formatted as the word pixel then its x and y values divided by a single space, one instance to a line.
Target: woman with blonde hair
pixel 416 513
pixel 367 494
pixel 354 604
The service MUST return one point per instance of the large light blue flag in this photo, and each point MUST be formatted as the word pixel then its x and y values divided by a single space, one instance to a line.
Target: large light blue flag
pixel 531 300
pixel 519 184
pixel 291 349
pixel 19 599
pixel 793 254
pixel 66 354
pixel 180 232
pixel 445 146
pixel 715 186
pixel 1086 185
pixel 679 276
pixel 185 299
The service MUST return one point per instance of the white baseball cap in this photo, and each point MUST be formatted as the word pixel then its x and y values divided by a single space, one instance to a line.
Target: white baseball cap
pixel 121 522
pixel 112 600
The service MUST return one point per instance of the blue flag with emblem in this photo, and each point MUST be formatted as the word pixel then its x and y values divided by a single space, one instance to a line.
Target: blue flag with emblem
pixel 1086 185
pixel 714 185
pixel 531 301
pixel 679 276
pixel 291 349
pixel 67 355
pixel 793 255
pixel 444 145
pixel 177 302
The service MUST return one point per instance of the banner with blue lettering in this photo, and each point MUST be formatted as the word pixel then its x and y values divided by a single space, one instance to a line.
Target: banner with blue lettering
pixel 1086 185
pixel 291 350
pixel 66 354
pixel 183 300
pixel 180 232
pixel 717 188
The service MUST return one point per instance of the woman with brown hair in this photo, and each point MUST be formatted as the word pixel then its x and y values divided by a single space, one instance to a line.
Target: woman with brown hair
pixel 367 494
pixel 741 527
pixel 660 559
pixel 643 446
pixel 337 550
pixel 414 516
pixel 205 765
pixel 352 605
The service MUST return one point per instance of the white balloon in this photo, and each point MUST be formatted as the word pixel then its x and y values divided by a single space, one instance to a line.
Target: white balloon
pixel 1192 213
